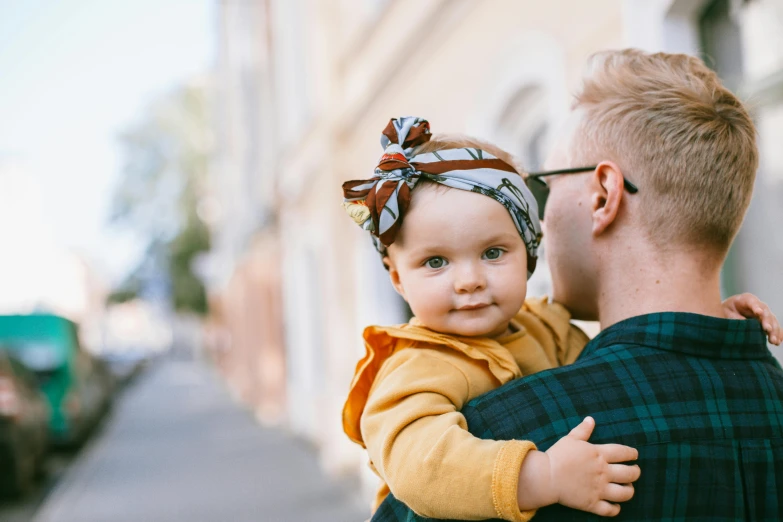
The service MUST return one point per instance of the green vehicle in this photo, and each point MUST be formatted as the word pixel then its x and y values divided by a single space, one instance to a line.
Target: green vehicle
pixel 75 385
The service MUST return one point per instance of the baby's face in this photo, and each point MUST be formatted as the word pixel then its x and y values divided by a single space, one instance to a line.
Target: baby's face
pixel 460 263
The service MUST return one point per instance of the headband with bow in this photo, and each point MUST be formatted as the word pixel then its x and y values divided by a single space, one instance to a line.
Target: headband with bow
pixel 379 204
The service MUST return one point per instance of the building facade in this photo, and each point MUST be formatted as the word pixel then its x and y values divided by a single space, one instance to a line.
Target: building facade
pixel 322 79
pixel 244 330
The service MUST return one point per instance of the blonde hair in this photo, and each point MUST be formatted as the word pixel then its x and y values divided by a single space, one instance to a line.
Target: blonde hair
pixel 676 132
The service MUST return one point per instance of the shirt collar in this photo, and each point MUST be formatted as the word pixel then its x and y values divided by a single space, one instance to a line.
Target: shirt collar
pixel 689 334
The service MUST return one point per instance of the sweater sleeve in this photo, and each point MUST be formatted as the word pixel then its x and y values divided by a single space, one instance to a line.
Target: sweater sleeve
pixel 418 441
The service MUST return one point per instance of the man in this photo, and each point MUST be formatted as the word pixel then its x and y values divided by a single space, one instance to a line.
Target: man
pixel 636 239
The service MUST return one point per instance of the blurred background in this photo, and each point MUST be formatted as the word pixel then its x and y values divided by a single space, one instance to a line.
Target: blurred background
pixel 181 294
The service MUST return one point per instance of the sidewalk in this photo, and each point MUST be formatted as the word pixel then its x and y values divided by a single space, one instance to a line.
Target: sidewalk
pixel 178 449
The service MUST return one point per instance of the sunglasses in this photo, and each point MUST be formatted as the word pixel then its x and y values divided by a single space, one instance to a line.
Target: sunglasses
pixel 540 189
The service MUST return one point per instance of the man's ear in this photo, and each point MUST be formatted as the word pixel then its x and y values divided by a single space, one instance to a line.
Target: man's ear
pixel 607 193
pixel 394 275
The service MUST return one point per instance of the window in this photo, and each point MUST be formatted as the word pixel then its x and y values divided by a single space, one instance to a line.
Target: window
pixel 720 40
pixel 523 130
pixel 523 125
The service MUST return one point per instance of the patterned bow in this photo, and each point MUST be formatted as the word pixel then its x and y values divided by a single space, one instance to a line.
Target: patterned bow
pixel 379 204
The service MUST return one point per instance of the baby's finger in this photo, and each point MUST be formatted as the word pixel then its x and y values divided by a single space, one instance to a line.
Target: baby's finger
pixel 584 429
pixel 748 305
pixel 618 492
pixel 771 326
pixel 623 474
pixel 772 330
pixel 605 509
pixel 747 302
pixel 617 452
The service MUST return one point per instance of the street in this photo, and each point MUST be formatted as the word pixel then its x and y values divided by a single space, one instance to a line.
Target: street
pixel 177 448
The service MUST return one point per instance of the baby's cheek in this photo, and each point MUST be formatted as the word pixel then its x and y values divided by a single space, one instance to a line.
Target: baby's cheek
pixel 513 294
pixel 427 304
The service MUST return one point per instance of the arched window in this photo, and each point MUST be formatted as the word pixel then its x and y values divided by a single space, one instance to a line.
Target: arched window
pixel 524 125
pixel 523 129
pixel 525 98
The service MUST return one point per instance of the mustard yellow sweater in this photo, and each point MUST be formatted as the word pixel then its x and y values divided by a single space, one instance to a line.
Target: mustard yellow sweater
pixel 405 401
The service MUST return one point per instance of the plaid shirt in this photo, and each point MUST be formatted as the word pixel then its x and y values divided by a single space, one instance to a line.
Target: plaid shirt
pixel 700 397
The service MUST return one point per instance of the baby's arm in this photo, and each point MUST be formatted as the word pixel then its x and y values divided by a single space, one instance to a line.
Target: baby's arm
pixel 578 474
pixel 748 306
pixel 418 441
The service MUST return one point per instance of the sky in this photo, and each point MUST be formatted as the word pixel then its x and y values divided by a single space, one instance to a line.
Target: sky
pixel 73 75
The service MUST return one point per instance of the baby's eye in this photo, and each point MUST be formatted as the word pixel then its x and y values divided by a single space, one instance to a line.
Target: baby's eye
pixel 493 253
pixel 436 262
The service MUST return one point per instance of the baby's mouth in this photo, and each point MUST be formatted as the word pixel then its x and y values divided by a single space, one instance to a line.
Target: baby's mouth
pixel 475 306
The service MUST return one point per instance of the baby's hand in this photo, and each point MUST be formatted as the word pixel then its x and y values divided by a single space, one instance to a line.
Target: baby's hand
pixel 748 306
pixel 578 474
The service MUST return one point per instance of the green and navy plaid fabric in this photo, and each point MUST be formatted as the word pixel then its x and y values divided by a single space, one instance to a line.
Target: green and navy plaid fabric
pixel 700 397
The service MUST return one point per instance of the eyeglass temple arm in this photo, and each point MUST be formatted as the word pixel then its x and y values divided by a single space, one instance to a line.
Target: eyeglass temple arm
pixel 630 187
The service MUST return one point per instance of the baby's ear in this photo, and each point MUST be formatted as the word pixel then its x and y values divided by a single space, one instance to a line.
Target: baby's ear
pixel 394 276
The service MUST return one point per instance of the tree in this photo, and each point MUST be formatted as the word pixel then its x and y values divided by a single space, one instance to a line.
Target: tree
pixel 166 159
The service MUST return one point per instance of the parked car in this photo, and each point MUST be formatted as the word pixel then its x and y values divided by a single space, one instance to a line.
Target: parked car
pixel 74 384
pixel 126 365
pixel 24 423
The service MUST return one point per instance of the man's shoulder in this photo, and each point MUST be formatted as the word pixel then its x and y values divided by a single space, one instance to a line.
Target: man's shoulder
pixel 544 406
pixel 599 361
pixel 638 395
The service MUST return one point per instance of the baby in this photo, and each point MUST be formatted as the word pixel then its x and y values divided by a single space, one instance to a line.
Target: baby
pixel 458 230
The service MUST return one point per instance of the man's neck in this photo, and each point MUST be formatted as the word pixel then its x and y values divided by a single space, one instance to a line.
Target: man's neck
pixel 644 281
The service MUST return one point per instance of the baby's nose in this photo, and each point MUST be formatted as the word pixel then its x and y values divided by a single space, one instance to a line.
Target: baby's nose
pixel 469 279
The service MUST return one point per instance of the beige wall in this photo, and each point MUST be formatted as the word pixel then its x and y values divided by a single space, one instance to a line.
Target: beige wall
pixel 457 63
pixel 244 333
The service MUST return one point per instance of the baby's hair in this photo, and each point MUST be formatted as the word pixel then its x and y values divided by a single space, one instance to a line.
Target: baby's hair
pixel 459 141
